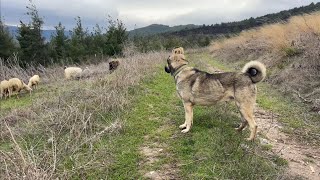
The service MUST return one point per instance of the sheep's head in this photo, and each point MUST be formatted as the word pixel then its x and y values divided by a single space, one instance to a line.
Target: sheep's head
pixel 26 87
pixel 113 65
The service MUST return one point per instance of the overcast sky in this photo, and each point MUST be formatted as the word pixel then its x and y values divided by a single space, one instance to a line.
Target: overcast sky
pixel 140 13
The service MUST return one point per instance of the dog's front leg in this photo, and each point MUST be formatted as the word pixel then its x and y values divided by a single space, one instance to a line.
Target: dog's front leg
pixel 188 108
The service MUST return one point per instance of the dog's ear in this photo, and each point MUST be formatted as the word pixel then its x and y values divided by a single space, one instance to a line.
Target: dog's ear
pixel 181 50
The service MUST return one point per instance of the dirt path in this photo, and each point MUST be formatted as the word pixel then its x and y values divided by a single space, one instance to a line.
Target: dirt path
pixel 153 152
pixel 303 161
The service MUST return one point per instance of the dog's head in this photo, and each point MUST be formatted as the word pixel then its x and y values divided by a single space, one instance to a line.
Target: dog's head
pixel 178 50
pixel 175 61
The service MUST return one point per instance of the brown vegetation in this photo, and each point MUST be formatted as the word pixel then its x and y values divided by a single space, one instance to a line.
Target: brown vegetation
pixel 57 135
pixel 290 50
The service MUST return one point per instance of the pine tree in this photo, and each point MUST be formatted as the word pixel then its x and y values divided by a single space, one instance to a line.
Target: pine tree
pixel 77 43
pixel 32 44
pixel 116 37
pixel 98 40
pixel 7 45
pixel 59 43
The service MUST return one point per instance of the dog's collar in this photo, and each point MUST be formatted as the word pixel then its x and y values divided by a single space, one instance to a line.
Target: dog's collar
pixel 176 72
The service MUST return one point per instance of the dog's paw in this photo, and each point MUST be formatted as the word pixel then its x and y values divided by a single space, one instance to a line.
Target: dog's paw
pixel 238 129
pixel 182 126
pixel 185 130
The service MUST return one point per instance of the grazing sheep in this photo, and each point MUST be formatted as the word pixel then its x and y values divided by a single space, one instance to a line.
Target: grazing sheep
pixel 72 72
pixel 113 65
pixel 16 85
pixel 4 89
pixel 34 81
pixel 178 50
pixel 86 73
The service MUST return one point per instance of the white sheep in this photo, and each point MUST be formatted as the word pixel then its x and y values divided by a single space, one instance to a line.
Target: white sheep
pixel 16 85
pixel 4 88
pixel 86 73
pixel 34 81
pixel 72 72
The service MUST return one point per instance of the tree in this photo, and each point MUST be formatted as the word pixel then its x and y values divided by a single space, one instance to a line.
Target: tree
pixel 59 43
pixel 78 47
pixel 115 38
pixel 7 45
pixel 32 44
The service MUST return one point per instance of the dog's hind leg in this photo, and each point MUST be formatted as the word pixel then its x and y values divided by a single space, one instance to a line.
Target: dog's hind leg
pixel 246 110
pixel 188 108
pixel 244 122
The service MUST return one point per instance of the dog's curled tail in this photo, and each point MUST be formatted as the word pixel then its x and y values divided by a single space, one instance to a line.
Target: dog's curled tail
pixel 256 70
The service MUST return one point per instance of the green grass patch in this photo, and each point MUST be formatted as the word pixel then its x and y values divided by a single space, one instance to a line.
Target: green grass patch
pixel 13 102
pixel 214 150
pixel 291 51
pixel 147 114
pixel 194 61
pixel 25 99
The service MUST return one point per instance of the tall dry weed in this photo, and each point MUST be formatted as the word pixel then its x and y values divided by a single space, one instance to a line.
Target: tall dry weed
pixel 58 134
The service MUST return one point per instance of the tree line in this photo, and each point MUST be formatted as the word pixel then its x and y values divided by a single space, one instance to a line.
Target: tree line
pixel 203 35
pixel 80 45
pixel 238 26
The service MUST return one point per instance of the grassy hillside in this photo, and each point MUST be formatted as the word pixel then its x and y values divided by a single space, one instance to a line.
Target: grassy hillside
pixel 99 128
pixel 291 53
pixel 154 29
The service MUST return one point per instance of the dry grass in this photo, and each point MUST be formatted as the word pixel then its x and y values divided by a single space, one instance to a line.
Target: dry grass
pixel 57 134
pixel 275 37
pixel 290 50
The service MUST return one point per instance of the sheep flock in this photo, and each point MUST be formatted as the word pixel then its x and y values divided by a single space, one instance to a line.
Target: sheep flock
pixel 16 85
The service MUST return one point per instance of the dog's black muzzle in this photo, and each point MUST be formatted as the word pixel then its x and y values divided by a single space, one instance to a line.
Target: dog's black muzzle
pixel 167 69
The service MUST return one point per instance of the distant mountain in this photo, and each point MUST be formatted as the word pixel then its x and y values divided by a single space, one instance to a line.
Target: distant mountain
pixel 45 33
pixel 236 27
pixel 159 28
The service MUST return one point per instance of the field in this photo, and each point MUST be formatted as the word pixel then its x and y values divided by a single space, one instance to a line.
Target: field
pixel 124 125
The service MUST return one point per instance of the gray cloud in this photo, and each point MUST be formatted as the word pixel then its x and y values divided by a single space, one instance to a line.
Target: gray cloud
pixel 144 12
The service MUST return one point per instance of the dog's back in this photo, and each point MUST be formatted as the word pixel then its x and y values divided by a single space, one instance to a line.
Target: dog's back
pixel 205 89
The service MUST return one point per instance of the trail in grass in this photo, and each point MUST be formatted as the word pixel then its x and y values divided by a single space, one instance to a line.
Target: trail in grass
pixel 153 147
pixel 142 150
pixel 157 161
